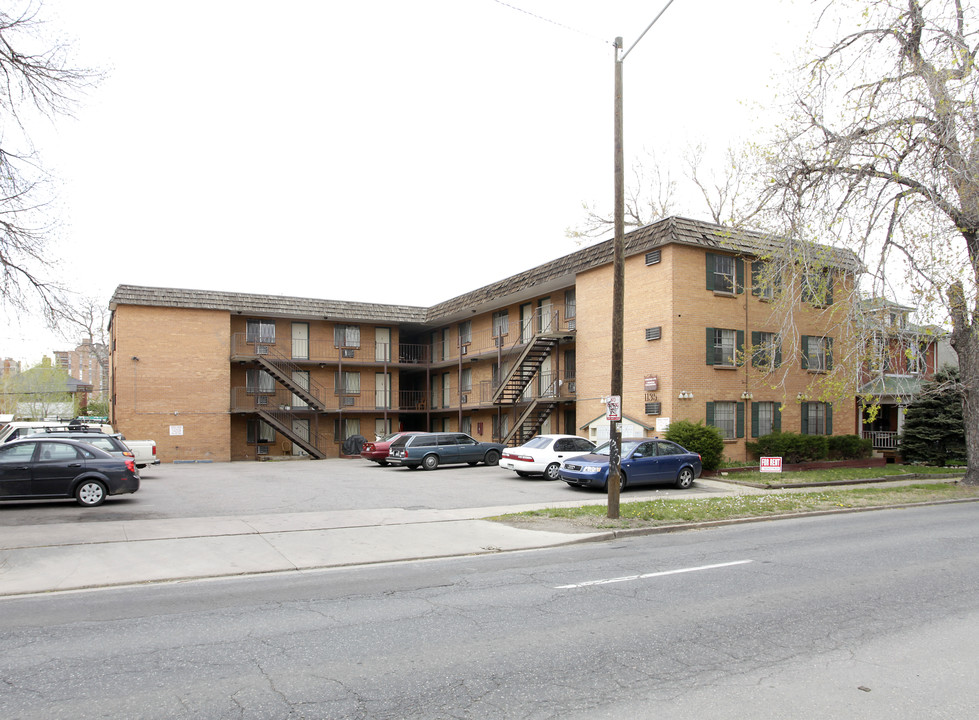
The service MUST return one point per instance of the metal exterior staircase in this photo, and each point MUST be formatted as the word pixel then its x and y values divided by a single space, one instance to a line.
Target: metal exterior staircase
pixel 524 367
pixel 281 420
pixel 281 369
pixel 530 421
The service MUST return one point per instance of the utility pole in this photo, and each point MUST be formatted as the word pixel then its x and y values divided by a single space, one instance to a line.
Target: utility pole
pixel 618 282
pixel 618 297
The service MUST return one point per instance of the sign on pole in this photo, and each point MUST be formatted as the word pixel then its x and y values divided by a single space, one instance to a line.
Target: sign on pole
pixel 613 406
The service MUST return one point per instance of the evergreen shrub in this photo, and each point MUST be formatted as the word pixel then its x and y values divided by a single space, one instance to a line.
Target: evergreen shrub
pixel 699 438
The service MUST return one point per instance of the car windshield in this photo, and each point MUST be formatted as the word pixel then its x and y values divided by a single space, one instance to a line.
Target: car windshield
pixel 627 447
pixel 538 442
pixel 389 436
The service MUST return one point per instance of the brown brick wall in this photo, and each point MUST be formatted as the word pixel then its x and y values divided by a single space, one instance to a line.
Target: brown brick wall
pixel 672 295
pixel 180 380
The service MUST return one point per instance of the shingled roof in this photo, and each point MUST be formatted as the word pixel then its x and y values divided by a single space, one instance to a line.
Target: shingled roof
pixel 672 230
pixel 265 305
pixel 537 280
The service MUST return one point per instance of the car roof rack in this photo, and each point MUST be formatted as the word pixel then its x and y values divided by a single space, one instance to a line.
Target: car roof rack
pixel 73 428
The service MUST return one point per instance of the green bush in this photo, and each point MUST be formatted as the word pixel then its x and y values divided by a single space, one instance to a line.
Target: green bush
pixel 849 447
pixel 796 448
pixel 791 447
pixel 699 438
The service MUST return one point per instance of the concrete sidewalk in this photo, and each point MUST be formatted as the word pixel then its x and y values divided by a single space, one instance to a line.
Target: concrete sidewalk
pixel 74 556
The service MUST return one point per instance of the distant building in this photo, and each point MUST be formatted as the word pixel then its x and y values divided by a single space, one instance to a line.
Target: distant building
pixel 88 363
pixel 906 355
pixel 9 368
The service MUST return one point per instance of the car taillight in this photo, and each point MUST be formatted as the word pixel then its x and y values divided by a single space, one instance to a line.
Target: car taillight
pixel 522 458
pixel 131 466
pixel 128 453
pixel 368 447
pixel 154 449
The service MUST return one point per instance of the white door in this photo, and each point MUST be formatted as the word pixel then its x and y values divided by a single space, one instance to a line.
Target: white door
pixel 301 378
pixel 300 341
pixel 382 390
pixel 301 429
pixel 546 312
pixel 382 345
pixel 526 322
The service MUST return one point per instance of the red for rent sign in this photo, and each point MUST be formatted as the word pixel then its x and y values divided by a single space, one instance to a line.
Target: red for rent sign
pixel 770 464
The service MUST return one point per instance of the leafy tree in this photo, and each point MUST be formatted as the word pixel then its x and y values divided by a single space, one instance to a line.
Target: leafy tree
pixel 40 391
pixel 880 155
pixel 934 432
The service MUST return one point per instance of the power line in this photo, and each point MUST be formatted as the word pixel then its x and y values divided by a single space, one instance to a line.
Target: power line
pixel 552 22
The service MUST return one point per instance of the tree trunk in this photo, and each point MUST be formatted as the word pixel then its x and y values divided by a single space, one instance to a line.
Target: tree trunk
pixel 965 342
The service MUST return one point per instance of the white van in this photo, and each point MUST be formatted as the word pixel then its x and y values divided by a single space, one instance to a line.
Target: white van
pixel 15 430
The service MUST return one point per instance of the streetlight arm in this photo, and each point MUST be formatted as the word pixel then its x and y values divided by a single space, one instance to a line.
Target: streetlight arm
pixel 645 31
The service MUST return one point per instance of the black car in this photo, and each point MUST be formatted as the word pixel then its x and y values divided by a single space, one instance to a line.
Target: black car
pixel 46 467
pixel 429 450
pixel 112 444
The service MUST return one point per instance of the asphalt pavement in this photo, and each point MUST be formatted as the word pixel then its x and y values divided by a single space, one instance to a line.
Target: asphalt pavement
pixel 226 519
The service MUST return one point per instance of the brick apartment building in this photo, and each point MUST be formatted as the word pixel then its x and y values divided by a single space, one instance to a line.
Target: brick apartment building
pixel 89 363
pixel 230 376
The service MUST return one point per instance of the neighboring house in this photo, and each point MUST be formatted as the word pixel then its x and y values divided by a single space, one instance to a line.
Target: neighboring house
pixel 230 376
pixel 46 391
pixel 905 355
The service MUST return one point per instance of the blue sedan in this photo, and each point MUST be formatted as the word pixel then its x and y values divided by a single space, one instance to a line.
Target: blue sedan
pixel 644 461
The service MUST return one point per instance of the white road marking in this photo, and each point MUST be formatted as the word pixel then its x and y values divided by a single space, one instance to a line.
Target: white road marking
pixel 627 578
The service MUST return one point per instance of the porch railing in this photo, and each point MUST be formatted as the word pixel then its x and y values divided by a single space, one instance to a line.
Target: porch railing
pixel 883 439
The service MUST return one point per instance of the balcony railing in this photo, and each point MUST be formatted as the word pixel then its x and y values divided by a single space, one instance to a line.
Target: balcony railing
pixel 482 342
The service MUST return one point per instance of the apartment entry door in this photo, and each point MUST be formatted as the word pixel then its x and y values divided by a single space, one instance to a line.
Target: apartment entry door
pixel 526 322
pixel 300 341
pixel 301 429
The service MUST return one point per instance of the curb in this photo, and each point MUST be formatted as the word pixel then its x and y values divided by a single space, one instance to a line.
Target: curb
pixel 662 529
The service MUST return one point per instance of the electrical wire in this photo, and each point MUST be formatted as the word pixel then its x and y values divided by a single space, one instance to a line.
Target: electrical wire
pixel 552 22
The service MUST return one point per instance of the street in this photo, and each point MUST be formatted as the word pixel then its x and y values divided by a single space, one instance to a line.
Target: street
pixel 866 615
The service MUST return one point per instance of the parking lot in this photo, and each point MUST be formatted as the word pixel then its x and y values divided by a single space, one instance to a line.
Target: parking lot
pixel 250 488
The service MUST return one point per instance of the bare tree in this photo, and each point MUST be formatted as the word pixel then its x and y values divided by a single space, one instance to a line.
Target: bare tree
pixel 881 155
pixel 653 194
pixel 650 196
pixel 34 85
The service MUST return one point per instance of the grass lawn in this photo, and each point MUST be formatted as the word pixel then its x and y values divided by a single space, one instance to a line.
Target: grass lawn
pixel 837 474
pixel 670 511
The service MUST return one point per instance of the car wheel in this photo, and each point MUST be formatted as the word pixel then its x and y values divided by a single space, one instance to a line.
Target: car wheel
pixel 430 462
pixel 492 458
pixel 552 471
pixel 685 478
pixel 90 493
pixel 622 482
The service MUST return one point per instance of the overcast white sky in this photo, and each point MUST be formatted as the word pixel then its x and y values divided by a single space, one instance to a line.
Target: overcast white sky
pixel 387 151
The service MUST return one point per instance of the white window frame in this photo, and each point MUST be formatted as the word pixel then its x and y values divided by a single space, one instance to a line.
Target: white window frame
pixel 725 341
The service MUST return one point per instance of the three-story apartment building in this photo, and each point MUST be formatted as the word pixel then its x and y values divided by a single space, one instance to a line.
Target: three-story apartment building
pixel 227 376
